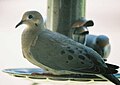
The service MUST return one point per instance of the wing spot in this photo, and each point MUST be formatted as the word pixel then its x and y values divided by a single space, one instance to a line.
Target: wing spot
pixel 70 57
pixel 80 51
pixel 68 47
pixel 76 48
pixel 87 55
pixel 82 62
pixel 81 57
pixel 71 51
pixel 67 62
pixel 62 52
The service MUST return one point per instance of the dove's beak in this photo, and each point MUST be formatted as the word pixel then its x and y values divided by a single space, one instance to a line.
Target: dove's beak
pixel 21 22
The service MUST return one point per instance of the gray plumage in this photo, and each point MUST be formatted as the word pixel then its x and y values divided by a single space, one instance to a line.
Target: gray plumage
pixel 100 44
pixel 57 53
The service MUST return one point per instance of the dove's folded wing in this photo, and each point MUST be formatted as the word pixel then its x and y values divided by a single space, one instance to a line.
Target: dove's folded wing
pixel 61 53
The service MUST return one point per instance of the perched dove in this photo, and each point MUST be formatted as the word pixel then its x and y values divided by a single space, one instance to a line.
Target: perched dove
pixel 100 44
pixel 80 33
pixel 59 54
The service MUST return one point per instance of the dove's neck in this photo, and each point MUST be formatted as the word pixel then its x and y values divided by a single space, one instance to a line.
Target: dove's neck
pixel 29 35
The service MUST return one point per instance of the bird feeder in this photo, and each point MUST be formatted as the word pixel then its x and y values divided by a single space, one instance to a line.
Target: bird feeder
pixel 62 13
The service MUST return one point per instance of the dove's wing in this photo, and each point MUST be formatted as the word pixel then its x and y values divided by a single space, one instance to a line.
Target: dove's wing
pixel 61 53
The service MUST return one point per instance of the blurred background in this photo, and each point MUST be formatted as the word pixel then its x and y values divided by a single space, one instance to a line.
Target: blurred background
pixel 104 13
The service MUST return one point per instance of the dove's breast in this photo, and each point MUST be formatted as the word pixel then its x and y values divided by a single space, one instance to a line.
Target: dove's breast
pixel 28 40
pixel 28 37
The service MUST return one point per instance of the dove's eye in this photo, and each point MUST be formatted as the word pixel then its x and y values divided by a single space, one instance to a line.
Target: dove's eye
pixel 30 17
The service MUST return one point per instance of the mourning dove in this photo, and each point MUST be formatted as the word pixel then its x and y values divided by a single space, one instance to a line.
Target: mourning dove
pixel 100 44
pixel 59 54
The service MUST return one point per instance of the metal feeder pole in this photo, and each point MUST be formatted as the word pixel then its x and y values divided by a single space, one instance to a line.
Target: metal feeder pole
pixel 62 13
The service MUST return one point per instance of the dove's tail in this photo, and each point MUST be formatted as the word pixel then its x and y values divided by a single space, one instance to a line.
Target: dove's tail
pixel 112 78
pixel 112 66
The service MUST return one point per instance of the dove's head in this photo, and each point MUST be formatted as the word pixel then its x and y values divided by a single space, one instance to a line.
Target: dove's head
pixel 31 19
pixel 102 40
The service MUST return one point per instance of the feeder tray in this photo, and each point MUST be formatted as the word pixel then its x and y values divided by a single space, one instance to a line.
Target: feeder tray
pixel 38 73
